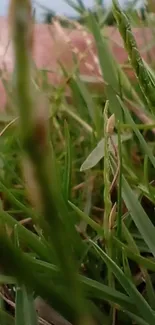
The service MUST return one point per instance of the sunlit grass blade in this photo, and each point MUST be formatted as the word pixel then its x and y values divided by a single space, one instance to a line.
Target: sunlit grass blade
pixel 98 152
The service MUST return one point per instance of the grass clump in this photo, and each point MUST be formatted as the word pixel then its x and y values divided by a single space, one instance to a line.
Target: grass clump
pixel 77 191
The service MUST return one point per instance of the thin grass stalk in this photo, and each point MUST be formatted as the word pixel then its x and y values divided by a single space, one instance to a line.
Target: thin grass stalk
pixel 119 196
pixel 107 199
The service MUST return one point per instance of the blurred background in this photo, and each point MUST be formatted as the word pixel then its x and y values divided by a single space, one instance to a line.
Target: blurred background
pixel 61 7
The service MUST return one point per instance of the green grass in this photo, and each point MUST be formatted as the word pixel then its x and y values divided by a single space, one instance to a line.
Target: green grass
pixel 77 191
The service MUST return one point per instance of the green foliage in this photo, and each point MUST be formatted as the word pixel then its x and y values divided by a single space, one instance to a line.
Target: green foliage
pixel 77 190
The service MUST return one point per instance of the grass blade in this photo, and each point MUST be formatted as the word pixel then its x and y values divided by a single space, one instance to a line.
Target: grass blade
pixel 25 312
pixel 144 309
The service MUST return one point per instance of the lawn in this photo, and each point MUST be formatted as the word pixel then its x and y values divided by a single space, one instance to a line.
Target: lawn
pixel 77 189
